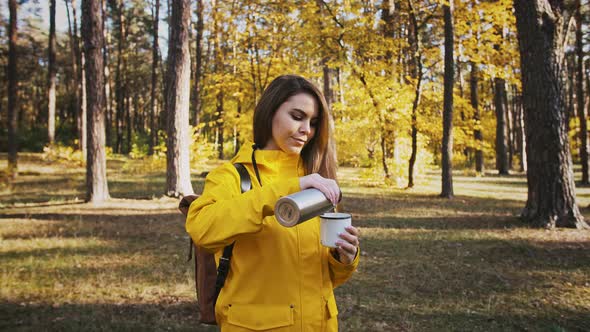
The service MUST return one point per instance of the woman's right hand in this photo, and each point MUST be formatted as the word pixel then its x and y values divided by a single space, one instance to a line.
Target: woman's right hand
pixel 327 186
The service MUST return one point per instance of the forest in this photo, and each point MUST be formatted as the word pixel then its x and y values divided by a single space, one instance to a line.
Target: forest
pixel 461 136
pixel 412 84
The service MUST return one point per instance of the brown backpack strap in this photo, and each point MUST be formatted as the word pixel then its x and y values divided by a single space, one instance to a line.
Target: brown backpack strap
pixel 190 249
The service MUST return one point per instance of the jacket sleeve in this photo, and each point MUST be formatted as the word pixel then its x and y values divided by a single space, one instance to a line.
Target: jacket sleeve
pixel 339 272
pixel 219 216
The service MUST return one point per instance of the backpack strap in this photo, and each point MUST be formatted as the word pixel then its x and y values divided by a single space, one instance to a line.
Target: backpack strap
pixel 224 260
pixel 245 181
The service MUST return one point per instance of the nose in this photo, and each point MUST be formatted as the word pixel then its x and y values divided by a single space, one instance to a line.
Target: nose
pixel 305 127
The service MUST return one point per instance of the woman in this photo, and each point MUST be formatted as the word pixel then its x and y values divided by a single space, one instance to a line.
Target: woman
pixel 280 278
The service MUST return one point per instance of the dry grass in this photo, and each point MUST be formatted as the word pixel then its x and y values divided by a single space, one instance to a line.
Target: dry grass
pixel 428 264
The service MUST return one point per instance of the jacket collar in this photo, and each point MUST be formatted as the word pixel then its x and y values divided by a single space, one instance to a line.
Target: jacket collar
pixel 271 159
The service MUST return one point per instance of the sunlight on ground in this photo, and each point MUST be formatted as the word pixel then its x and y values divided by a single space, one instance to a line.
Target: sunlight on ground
pixel 427 264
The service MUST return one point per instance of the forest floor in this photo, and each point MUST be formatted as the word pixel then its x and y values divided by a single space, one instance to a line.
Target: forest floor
pixel 427 264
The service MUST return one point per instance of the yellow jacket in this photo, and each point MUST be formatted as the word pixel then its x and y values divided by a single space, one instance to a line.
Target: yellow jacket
pixel 280 278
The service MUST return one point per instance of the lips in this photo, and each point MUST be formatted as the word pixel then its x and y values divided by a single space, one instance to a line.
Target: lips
pixel 299 140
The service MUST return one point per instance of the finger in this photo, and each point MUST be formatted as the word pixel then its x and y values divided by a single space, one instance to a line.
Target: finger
pixel 321 187
pixel 353 240
pixel 353 230
pixel 327 191
pixel 344 256
pixel 335 192
pixel 346 246
pixel 347 254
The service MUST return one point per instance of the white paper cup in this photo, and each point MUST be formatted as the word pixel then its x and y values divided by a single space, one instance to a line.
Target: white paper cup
pixel 332 224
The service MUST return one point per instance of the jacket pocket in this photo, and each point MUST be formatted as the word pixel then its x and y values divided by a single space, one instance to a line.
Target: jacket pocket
pixel 332 308
pixel 260 317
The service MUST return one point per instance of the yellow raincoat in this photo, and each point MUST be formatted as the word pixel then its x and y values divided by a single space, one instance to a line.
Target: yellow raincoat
pixel 280 278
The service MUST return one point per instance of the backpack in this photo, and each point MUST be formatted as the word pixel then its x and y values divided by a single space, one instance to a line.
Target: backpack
pixel 208 279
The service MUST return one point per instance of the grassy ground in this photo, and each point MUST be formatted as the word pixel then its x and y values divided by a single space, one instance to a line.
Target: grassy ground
pixel 428 264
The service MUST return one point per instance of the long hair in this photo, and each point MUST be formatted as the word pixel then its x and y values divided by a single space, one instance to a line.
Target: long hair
pixel 319 155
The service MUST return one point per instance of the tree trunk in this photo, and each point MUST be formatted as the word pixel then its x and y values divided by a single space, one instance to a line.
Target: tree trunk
pixel 520 131
pixel 83 106
pixel 416 73
pixel 12 74
pixel 96 166
pixel 219 123
pixel 477 134
pixel 542 30
pixel 155 59
pixel 513 125
pixel 580 99
pixel 178 95
pixel 107 78
pixel 80 84
pixel 129 124
pixel 328 91
pixel 509 130
pixel 198 65
pixel 74 100
pixel 501 145
pixel 237 132
pixel 447 143
pixel 120 83
pixel 384 154
pixel 219 62
pixel 51 75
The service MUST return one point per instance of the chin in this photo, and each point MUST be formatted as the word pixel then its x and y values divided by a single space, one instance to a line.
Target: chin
pixel 292 150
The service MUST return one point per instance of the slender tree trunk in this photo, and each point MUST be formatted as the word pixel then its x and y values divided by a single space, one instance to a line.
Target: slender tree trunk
pixel 219 56
pixel 520 135
pixel 178 95
pixel 96 170
pixel 477 134
pixel 107 77
pixel 81 84
pixel 120 82
pixel 83 105
pixel 542 29
pixel 155 59
pixel 580 98
pixel 220 124
pixel 74 99
pixel 237 132
pixel 447 143
pixel 509 130
pixel 384 154
pixel 328 91
pixel 416 72
pixel 501 145
pixel 128 120
pixel 51 75
pixel 12 74
pixel 198 65
pixel 513 125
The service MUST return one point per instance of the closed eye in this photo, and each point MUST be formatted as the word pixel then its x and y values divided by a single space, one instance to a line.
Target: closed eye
pixel 296 117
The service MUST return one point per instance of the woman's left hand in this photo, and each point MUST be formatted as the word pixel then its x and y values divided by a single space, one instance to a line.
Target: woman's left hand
pixel 348 245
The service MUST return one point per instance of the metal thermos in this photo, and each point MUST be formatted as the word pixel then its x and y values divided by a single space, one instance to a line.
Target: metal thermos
pixel 301 206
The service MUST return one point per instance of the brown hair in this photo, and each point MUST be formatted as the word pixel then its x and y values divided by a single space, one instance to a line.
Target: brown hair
pixel 319 155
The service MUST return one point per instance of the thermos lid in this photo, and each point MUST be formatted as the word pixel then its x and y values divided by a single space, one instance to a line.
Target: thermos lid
pixel 287 212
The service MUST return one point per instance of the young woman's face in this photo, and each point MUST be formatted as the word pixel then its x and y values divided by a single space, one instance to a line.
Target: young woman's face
pixel 294 124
